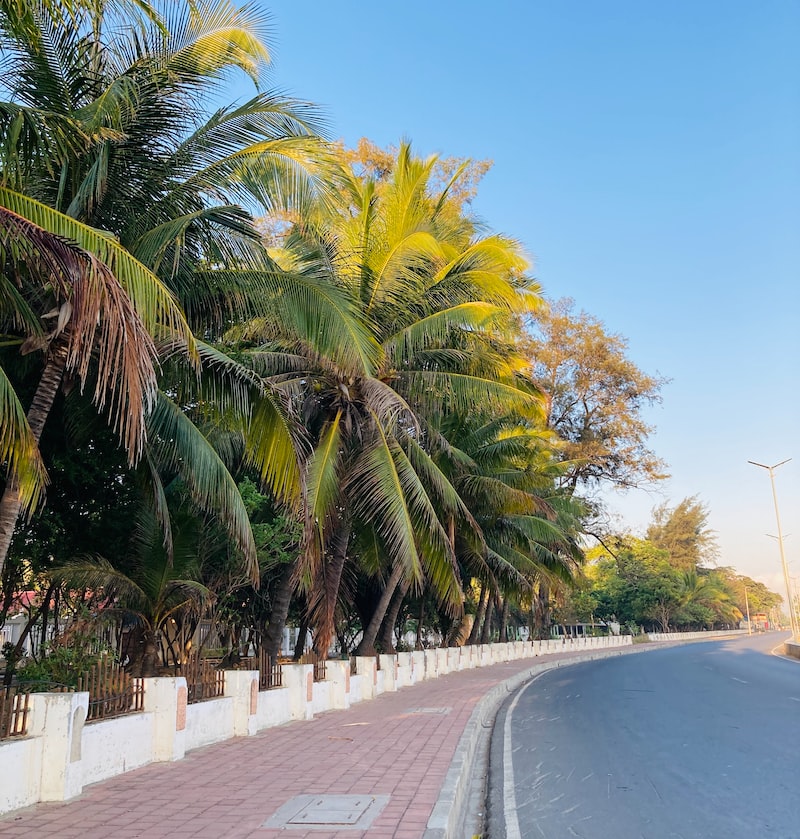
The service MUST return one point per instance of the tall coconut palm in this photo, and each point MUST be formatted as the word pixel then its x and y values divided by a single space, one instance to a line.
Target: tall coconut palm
pixel 65 303
pixel 506 471
pixel 436 300
pixel 104 125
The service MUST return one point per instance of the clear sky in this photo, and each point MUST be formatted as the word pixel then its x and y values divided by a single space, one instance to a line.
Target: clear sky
pixel 648 157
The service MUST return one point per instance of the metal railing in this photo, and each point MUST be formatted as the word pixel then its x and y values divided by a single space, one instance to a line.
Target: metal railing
pixel 14 710
pixel 204 680
pixel 112 691
pixel 270 674
pixel 319 665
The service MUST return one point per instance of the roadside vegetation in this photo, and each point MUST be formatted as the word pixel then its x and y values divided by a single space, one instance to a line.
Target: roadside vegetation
pixel 251 379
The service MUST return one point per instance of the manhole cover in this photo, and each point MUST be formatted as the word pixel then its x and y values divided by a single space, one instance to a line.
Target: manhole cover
pixel 320 812
pixel 444 710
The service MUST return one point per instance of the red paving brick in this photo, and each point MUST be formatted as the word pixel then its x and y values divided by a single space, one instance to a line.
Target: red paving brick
pixel 232 788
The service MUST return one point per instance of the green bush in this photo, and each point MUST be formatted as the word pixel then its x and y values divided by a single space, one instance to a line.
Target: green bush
pixel 65 659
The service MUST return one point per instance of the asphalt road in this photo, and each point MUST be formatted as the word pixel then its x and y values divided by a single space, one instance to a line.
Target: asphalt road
pixel 700 741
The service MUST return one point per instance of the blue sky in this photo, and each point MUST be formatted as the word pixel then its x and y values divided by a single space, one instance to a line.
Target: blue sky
pixel 648 157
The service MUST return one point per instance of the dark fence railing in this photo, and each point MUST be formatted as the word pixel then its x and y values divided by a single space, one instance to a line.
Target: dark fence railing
pixel 270 674
pixel 204 680
pixel 319 665
pixel 14 710
pixel 112 691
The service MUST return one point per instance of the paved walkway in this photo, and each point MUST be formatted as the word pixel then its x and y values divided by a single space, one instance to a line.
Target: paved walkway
pixel 399 745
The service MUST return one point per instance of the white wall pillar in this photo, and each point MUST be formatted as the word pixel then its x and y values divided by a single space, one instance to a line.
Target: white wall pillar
pixel 366 667
pixel 58 719
pixel 242 686
pixel 337 672
pixel 418 665
pixel 166 697
pixel 299 678
pixel 389 670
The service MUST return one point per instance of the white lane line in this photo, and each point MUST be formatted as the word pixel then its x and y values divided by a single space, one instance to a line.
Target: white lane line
pixel 509 793
pixel 794 699
pixel 782 654
pixel 739 680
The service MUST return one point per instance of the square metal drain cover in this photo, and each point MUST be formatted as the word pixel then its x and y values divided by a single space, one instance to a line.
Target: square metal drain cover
pixel 323 812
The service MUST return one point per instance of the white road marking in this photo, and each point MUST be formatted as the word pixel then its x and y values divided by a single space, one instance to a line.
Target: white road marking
pixel 781 654
pixel 509 793
pixel 739 680
pixel 794 699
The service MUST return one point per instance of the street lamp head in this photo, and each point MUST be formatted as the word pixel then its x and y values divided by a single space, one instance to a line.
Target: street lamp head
pixel 769 468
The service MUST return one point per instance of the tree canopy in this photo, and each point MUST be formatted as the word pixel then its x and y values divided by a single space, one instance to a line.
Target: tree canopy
pixel 259 377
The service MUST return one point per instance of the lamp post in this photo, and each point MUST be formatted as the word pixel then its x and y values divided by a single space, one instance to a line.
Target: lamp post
pixel 771 470
pixel 747 606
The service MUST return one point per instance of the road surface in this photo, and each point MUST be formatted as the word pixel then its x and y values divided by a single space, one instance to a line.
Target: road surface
pixel 700 741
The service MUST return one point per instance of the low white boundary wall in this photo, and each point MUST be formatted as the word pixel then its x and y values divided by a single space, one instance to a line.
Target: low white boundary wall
pixel 61 754
pixel 692 636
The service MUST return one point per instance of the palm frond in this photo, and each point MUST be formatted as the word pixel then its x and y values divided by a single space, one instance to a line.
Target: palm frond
pixel 18 448
pixel 151 300
pixel 179 446
pixel 98 321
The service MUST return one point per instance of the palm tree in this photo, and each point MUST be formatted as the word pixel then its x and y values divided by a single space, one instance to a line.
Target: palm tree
pixel 435 301
pixel 506 471
pixel 157 588
pixel 708 591
pixel 102 135
pixel 69 306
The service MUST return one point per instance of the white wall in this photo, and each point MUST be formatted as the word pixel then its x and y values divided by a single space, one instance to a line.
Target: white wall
pixel 20 772
pixel 273 708
pixel 101 755
pixel 209 722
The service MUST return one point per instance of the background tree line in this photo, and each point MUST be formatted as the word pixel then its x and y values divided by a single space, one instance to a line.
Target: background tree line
pixel 668 580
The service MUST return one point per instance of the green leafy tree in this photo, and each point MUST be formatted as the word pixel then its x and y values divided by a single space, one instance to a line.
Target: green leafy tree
pixel 595 399
pixel 682 531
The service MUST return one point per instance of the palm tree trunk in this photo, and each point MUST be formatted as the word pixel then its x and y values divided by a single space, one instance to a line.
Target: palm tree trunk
pixel 418 644
pixel 42 403
pixel 280 610
pixel 390 621
pixel 367 644
pixel 148 665
pixel 542 615
pixel 504 621
pixel 327 593
pixel 474 632
pixel 486 635
pixel 300 644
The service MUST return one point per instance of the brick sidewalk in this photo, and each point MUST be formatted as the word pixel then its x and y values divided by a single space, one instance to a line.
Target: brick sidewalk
pixel 399 745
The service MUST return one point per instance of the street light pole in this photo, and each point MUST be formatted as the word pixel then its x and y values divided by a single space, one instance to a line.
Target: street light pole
pixel 747 606
pixel 771 470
